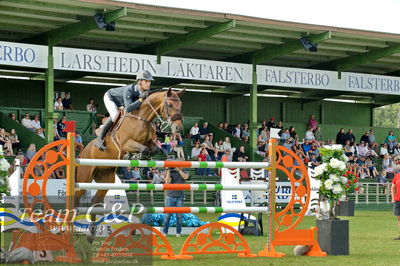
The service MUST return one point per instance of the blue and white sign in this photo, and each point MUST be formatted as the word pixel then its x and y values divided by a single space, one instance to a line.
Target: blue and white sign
pixel 24 55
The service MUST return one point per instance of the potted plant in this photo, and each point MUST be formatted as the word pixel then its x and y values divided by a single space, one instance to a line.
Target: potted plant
pixel 4 184
pixel 333 233
pixel 345 206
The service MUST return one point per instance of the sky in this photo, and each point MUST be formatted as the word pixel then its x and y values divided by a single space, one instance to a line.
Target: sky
pixel 373 15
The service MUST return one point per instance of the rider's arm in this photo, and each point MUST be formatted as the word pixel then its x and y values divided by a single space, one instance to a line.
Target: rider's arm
pixel 129 95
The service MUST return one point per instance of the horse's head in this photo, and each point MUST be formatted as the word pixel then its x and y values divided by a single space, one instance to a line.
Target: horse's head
pixel 172 109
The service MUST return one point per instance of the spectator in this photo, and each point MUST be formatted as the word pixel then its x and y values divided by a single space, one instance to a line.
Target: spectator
pixel 297 148
pixel 226 128
pixel 293 133
pixel 56 135
pixel 31 152
pixel 348 148
pixel 126 173
pixel 397 150
pixel 318 136
pixel 58 106
pixel 239 155
pixel 264 135
pixel 351 164
pixel 226 145
pixel 390 141
pixel 40 132
pixel 167 144
pixel 221 125
pixel 195 151
pixel 66 102
pixel 36 122
pixel 210 148
pixel 341 137
pixel 219 148
pixel 362 149
pixel 14 140
pixel 314 160
pixel 387 161
pixel 237 132
pixel 61 127
pixel 157 178
pixel 382 178
pixel 227 157
pixel 285 135
pixel 365 138
pixel 350 136
pixel 309 136
pixel 372 140
pixel 202 157
pixel 194 132
pixel 136 174
pixel 6 142
pixel 287 144
pixel 59 173
pixel 27 122
pixel 204 130
pixel 312 123
pixel 362 169
pixel 271 123
pixel 91 107
pixel 160 146
pixel 263 124
pixel 371 168
pixel 384 150
pixel 280 126
pixel 261 148
pixel 177 144
pixel 159 131
pixel 78 142
pixel 245 132
pixel 13 117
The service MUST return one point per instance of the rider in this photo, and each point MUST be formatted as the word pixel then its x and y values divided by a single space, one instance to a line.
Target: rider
pixel 130 97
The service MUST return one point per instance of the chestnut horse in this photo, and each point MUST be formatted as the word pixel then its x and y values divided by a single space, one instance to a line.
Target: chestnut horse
pixel 134 134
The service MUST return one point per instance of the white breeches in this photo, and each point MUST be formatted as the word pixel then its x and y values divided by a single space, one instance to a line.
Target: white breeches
pixel 111 107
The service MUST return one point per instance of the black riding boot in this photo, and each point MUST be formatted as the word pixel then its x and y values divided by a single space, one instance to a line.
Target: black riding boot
pixel 99 143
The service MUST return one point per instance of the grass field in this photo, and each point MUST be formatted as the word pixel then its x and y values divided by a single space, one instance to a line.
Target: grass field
pixel 371 243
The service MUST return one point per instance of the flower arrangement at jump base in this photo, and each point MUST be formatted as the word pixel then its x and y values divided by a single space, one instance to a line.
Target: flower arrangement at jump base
pixel 4 184
pixel 335 180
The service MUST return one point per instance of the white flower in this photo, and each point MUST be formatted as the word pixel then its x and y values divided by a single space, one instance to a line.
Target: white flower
pixel 2 182
pixel 4 165
pixel 333 147
pixel 334 178
pixel 342 166
pixel 343 179
pixel 337 189
pixel 328 184
pixel 334 163
pixel 345 158
pixel 320 169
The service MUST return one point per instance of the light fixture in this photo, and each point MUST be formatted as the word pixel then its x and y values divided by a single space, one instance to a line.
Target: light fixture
pixel 308 46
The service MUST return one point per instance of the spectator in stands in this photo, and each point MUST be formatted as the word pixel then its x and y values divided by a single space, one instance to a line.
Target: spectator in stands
pixel 285 135
pixel 372 140
pixel 263 124
pixel 227 157
pixel 209 146
pixel 61 127
pixel 318 136
pixel 91 107
pixel 309 136
pixel 264 135
pixel 351 164
pixel 56 135
pixel 239 155
pixel 312 123
pixel 350 136
pixel 167 144
pixel 27 122
pixel 58 105
pixel 384 150
pixel 126 173
pixel 245 132
pixel 221 125
pixel 194 132
pixel 382 178
pixel 365 138
pixel 362 149
pixel 36 122
pixel 6 142
pixel 157 178
pixel 287 143
pixel 136 173
pixel 204 130
pixel 13 117
pixel 371 168
pixel 219 148
pixel 160 146
pixel 397 150
pixel 177 144
pixel 202 157
pixel 348 148
pixel 226 128
pixel 174 197
pixel 313 150
pixel 195 151
pixel 40 132
pixel 261 148
pixel 293 134
pixel 159 131
pixel 362 170
pixel 31 152
pixel 66 102
pixel 59 173
pixel 395 192
pixel 280 126
pixel 79 142
pixel 341 137
pixel 306 146
pixel 271 123
pixel 14 139
pixel 314 160
pixel 227 145
pixel 390 141
pixel 237 131
pixel 297 148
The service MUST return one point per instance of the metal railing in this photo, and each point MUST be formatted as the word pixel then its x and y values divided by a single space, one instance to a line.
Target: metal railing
pixel 373 193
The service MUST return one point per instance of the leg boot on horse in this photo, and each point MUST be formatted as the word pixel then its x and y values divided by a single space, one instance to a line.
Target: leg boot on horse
pixel 100 139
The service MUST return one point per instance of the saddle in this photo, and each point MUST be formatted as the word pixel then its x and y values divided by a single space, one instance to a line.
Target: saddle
pixel 115 126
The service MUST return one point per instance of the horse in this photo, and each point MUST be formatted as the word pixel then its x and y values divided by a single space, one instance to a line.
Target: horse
pixel 133 133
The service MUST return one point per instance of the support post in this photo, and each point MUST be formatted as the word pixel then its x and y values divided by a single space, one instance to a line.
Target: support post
pixel 253 114
pixel 49 96
pixel 70 186
pixel 272 183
